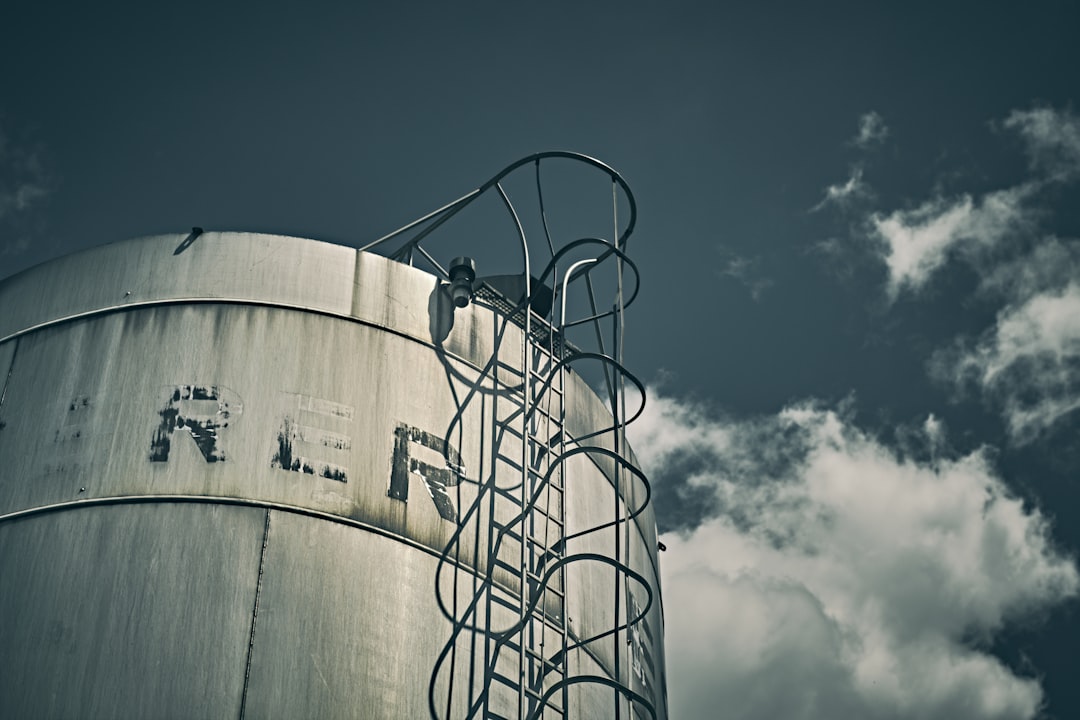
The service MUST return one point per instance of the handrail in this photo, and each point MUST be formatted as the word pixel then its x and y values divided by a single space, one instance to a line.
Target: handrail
pixel 441 215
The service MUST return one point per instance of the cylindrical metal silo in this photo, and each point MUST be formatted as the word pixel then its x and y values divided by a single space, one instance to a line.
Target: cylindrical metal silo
pixel 256 476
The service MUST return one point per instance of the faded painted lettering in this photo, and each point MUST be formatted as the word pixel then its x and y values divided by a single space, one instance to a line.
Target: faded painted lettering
pixel 329 408
pixel 310 447
pixel 436 479
pixel 287 458
pixel 200 411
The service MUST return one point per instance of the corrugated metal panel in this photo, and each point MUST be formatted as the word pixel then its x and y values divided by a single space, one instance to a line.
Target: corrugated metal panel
pixel 136 611
pixel 216 265
pixel 347 627
pixel 237 267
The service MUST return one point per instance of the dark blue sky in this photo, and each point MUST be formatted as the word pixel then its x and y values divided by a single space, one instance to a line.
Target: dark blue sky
pixel 730 123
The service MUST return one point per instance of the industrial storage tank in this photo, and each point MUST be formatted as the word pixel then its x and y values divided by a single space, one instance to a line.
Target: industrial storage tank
pixel 248 475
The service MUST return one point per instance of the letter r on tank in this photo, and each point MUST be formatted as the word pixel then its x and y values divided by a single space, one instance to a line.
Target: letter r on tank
pixel 437 479
pixel 200 411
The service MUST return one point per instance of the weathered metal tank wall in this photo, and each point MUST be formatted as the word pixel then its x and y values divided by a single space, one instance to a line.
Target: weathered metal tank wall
pixel 223 490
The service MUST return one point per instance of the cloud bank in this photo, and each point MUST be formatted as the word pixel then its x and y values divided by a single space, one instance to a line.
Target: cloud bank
pixel 830 576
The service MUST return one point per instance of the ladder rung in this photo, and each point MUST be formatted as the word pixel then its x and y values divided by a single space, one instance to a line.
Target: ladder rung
pixel 518 411
pixel 514 569
pixel 552 548
pixel 539 452
pixel 508 367
pixel 508 494
pixel 506 530
pixel 512 430
pixel 553 539
pixel 553 707
pixel 539 490
pixel 551 388
pixel 541 382
pixel 512 534
pixel 550 484
pixel 555 591
pixel 556 403
pixel 538 432
pixel 537 512
pixel 509 425
pixel 537 542
pixel 509 461
pixel 502 455
pixel 541 445
pixel 508 428
pixel 546 419
pixel 536 473
pixel 508 682
pixel 499 600
pixel 538 612
pixel 540 616
pixel 546 662
pixel 549 706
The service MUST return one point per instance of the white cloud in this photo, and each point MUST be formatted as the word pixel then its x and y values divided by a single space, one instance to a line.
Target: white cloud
pixel 1053 140
pixel 840 579
pixel 1051 264
pixel 872 130
pixel 746 271
pixel 917 243
pixel 1029 361
pixel 24 183
pixel 841 194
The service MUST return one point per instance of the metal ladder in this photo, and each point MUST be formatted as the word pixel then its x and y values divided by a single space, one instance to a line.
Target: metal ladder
pixel 510 629
pixel 537 644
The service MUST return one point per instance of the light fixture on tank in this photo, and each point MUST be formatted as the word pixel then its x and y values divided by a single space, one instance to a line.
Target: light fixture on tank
pixel 462 275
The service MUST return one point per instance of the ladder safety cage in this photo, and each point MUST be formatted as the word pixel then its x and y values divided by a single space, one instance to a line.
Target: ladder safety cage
pixel 514 623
